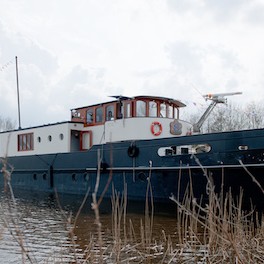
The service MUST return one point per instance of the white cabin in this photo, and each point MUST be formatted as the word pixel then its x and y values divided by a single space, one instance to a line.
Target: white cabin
pixel 137 118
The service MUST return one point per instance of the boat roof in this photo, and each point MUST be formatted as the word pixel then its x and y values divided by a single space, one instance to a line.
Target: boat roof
pixel 140 97
pixel 38 126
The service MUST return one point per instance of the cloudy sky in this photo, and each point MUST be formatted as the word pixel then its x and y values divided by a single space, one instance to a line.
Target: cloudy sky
pixel 74 53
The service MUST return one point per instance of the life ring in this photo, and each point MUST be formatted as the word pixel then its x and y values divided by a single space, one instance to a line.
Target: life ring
pixel 156 128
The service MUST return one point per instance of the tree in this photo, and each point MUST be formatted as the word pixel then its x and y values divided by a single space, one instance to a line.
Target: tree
pixel 6 124
pixel 232 117
pixel 254 115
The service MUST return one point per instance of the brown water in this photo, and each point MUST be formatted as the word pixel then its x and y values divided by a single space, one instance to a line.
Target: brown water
pixel 36 222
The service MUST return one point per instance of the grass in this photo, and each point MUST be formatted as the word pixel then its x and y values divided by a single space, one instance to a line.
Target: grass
pixel 217 232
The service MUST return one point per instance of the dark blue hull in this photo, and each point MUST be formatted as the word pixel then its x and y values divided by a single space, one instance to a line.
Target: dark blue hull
pixel 76 172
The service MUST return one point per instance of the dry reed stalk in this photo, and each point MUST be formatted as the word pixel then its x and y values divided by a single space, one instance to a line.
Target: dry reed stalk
pixel 229 232
pixel 18 234
pixel 252 176
pixel 118 213
pixel 95 207
pixel 70 224
pixel 149 213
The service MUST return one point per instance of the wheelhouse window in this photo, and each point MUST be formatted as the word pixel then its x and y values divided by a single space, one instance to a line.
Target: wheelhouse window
pixel 89 116
pixel 170 111
pixel 99 114
pixel 110 112
pixel 153 109
pixel 127 107
pixel 163 110
pixel 176 113
pixel 120 110
pixel 140 108
pixel 25 142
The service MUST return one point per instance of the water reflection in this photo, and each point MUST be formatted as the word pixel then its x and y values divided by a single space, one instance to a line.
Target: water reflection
pixel 38 224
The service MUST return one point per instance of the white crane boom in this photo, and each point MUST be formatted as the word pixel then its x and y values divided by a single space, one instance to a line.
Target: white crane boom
pixel 216 99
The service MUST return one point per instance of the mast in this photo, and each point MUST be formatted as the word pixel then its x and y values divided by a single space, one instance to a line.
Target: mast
pixel 18 101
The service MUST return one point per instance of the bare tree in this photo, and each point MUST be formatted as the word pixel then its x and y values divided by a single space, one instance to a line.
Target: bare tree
pixel 254 115
pixel 6 124
pixel 226 118
pixel 232 117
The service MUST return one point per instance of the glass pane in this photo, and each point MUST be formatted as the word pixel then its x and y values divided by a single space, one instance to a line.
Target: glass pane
pixel 141 108
pixel 89 116
pixel 28 141
pixel 153 109
pixel 99 114
pixel 128 110
pixel 20 138
pixel 24 142
pixel 176 113
pixel 110 112
pixel 162 110
pixel 170 111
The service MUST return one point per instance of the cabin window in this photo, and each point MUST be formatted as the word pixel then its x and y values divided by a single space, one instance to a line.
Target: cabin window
pixel 140 108
pixel 39 139
pixel 163 110
pixel 176 113
pixel 76 114
pixel 110 112
pixel 170 111
pixel 120 110
pixel 153 109
pixel 89 116
pixel 128 109
pixel 50 138
pixel 99 114
pixel 25 142
pixel 61 136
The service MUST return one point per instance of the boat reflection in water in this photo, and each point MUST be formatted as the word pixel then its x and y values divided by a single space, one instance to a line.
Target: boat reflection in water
pixel 39 224
pixel 36 224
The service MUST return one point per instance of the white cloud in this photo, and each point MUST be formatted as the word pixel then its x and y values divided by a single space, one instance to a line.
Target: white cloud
pixel 74 53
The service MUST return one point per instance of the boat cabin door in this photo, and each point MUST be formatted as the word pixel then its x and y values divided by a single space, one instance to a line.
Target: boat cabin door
pixel 85 140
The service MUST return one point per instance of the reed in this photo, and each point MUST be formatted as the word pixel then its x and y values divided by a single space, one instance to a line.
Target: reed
pixel 11 221
pixel 218 231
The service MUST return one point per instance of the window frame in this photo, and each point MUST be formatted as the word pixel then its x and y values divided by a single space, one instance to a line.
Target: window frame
pixel 25 142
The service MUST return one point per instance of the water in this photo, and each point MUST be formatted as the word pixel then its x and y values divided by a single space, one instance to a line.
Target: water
pixel 39 226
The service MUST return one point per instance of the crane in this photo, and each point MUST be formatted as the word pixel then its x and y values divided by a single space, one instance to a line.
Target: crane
pixel 218 98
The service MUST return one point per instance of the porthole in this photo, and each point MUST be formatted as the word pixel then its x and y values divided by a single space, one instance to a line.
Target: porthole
pixel 39 139
pixel 243 147
pixel 61 136
pixel 35 176
pixel 44 176
pixel 49 137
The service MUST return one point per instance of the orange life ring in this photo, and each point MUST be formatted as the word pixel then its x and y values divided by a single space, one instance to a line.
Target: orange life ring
pixel 156 128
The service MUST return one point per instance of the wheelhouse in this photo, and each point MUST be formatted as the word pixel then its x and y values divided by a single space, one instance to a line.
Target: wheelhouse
pixel 124 107
pixel 124 119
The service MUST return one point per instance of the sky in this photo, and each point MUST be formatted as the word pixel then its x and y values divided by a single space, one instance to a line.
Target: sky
pixel 73 53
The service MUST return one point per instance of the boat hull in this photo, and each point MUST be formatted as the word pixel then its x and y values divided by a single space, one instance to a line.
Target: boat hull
pixel 236 160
